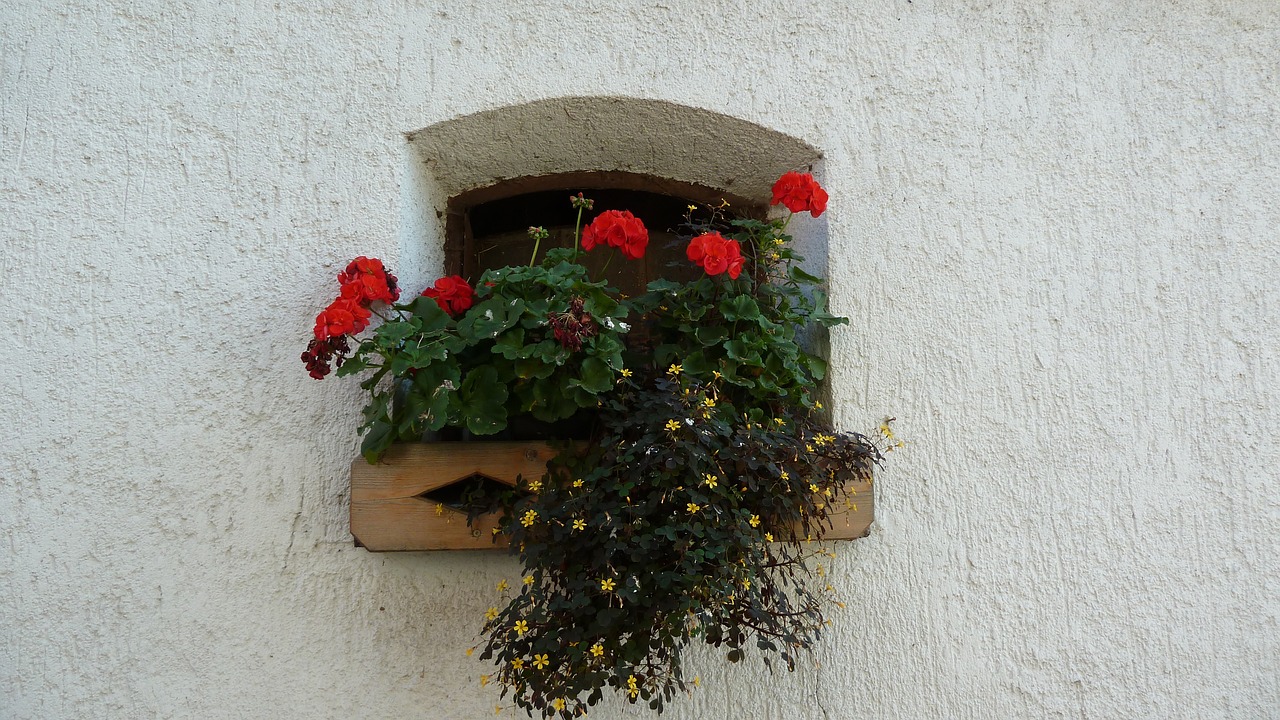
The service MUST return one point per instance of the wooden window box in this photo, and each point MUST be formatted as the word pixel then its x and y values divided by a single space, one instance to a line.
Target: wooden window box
pixel 390 510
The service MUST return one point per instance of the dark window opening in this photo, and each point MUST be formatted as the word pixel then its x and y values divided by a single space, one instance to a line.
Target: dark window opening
pixel 488 228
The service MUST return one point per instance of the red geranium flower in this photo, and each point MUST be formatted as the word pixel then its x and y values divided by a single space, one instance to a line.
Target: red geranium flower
pixel 343 316
pixel 619 229
pixel 365 280
pixel 452 294
pixel 716 254
pixel 800 193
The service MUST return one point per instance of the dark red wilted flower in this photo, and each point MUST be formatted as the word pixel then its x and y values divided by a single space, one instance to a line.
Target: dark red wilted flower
pixel 571 328
pixel 619 229
pixel 799 192
pixel 320 353
pixel 452 294
pixel 716 254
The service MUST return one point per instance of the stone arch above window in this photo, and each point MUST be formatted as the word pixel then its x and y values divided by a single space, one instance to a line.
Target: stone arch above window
pixel 608 134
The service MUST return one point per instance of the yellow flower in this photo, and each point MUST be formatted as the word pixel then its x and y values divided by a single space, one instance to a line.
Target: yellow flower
pixel 625 372
pixel 470 651
pixel 773 256
pixel 579 524
pixel 768 537
pixel 817 404
pixel 697 681
pixel 497 709
pixel 675 370
pixel 631 681
pixel 746 584
pixel 540 661
pixel 484 680
pixel 597 650
pixel 578 482
pixel 558 703
pixel 779 241
pixel 755 521
pixel 709 402
pixel 710 480
pixel 808 447
pixel 813 487
pixel 521 627
pixel 692 507
pixel 502 585
pixel 528 579
pixel 785 475
pixel 672 426
pixel 607 584
pixel 885 430
pixel 530 516
pixel 826 491
pixel 717 374
pixel 535 485
pixel 491 614
pixel 692 208
pixel 780 421
pixel 439 508
pixel 518 664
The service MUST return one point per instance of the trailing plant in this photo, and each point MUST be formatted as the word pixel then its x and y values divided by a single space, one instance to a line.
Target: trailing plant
pixel 691 512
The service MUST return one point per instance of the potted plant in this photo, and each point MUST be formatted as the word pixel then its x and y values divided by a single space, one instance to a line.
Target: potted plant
pixel 689 509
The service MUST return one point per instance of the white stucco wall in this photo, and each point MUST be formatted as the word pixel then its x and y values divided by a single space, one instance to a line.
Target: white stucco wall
pixel 1054 224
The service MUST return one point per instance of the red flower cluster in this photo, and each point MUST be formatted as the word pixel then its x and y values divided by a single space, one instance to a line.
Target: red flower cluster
pixel 619 229
pixel 364 282
pixel 716 254
pixel 800 193
pixel 452 294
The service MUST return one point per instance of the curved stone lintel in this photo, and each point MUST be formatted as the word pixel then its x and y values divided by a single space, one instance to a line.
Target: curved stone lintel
pixel 570 134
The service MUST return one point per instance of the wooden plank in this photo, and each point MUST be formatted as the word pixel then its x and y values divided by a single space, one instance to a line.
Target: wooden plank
pixel 388 515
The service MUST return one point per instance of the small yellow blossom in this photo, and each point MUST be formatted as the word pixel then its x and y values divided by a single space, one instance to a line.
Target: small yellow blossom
pixel 692 208
pixel 768 537
pixel 817 404
pixel 779 241
pixel 774 257
pixel 625 372
pixel 755 521
pixel 631 681
pixel 484 680
pixel 502 585
pixel 540 661
pixel 697 681
pixel 535 485
pixel 528 579
pixel 491 614
pixel 813 487
pixel 578 482
pixel 672 426
pixel 558 703
pixel 717 374
pixel 709 402
pixel 521 627
pixel 785 475
pixel 808 447
pixel 497 709
pixel 826 491
pixel 579 524
pixel 692 507
pixel 518 664
pixel 675 370
pixel 439 508
pixel 780 421
pixel 597 650
pixel 746 584
pixel 710 480
pixel 885 430
pixel 530 517
pixel 470 651
pixel 607 584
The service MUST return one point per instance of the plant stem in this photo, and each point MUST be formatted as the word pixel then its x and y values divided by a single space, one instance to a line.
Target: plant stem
pixel 577 225
pixel 537 241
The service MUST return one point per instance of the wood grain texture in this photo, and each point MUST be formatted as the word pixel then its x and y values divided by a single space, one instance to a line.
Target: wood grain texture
pixel 388 513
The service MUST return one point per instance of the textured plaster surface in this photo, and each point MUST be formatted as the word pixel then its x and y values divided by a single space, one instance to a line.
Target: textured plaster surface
pixel 1053 224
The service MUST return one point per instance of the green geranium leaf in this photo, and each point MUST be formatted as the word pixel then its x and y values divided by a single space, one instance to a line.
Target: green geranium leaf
pixel 484 400
pixel 740 307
